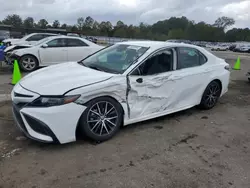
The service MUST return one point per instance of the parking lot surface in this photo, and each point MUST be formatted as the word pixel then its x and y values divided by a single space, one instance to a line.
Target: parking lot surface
pixel 192 148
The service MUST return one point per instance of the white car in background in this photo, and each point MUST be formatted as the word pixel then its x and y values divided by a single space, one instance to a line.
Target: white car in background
pixel 220 48
pixel 122 84
pixel 52 50
pixel 73 35
pixel 28 39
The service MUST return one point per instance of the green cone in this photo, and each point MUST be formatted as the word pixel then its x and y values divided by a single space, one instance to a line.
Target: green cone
pixel 237 64
pixel 16 73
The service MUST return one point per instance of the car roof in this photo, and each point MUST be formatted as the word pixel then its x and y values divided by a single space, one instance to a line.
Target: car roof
pixel 72 37
pixel 63 36
pixel 43 33
pixel 158 44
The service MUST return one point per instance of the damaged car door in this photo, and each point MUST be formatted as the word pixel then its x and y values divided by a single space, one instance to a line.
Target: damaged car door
pixel 151 85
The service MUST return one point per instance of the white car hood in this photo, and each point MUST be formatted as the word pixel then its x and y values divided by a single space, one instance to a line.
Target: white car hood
pixel 18 41
pixel 13 46
pixel 58 79
pixel 11 40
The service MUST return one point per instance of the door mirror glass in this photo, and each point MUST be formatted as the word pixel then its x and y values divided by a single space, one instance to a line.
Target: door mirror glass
pixel 44 45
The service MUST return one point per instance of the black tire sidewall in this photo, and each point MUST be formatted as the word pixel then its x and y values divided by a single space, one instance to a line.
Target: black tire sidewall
pixel 26 56
pixel 84 128
pixel 203 104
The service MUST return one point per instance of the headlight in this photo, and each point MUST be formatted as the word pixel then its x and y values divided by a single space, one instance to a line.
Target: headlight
pixel 11 52
pixel 54 101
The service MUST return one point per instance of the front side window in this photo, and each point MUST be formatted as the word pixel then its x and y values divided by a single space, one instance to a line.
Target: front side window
pixel 159 63
pixel 75 43
pixel 115 59
pixel 56 43
pixel 189 57
pixel 35 37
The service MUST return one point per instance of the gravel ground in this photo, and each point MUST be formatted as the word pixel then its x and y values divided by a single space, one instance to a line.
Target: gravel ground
pixel 191 148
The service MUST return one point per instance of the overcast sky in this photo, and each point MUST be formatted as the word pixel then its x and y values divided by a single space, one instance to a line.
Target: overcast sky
pixel 129 11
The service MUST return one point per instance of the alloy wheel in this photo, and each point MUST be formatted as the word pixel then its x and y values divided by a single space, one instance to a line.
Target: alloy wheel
pixel 28 63
pixel 102 118
pixel 212 95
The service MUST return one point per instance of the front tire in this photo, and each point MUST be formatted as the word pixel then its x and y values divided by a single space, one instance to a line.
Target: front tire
pixel 28 63
pixel 102 119
pixel 211 95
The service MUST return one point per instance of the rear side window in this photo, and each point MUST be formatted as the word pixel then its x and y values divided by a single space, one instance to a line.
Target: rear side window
pixel 189 57
pixel 35 37
pixel 75 43
pixel 56 43
pixel 203 58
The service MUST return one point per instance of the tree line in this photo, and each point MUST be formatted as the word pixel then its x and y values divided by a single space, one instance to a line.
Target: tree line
pixel 172 28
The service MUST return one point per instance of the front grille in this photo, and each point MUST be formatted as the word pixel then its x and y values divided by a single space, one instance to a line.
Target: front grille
pixel 16 113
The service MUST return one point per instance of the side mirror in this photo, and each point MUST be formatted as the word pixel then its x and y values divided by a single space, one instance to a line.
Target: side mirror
pixel 44 46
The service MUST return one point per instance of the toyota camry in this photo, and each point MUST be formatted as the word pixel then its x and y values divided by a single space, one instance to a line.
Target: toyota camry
pixel 119 85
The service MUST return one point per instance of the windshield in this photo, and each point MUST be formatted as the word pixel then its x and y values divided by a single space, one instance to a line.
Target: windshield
pixel 115 59
pixel 26 36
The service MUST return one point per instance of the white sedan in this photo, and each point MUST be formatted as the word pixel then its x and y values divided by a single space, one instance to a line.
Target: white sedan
pixel 220 48
pixel 122 84
pixel 49 51
pixel 28 39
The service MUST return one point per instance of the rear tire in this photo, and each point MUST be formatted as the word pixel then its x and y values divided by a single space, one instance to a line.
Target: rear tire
pixel 102 119
pixel 28 63
pixel 211 95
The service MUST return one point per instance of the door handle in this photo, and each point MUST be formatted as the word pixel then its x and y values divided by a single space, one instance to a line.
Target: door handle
pixel 139 80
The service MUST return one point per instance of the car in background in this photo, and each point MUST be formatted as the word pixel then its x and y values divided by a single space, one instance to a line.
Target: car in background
pixel 244 48
pixel 3 35
pixel 50 51
pixel 220 48
pixel 232 47
pixel 28 39
pixel 73 35
pixel 122 84
pixel 92 39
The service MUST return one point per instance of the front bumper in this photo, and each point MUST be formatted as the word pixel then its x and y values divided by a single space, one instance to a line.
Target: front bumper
pixel 45 124
pixel 10 58
pixel 39 131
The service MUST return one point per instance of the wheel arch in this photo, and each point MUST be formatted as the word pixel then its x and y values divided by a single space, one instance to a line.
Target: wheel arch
pixel 30 55
pixel 219 82
pixel 99 96
pixel 213 80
